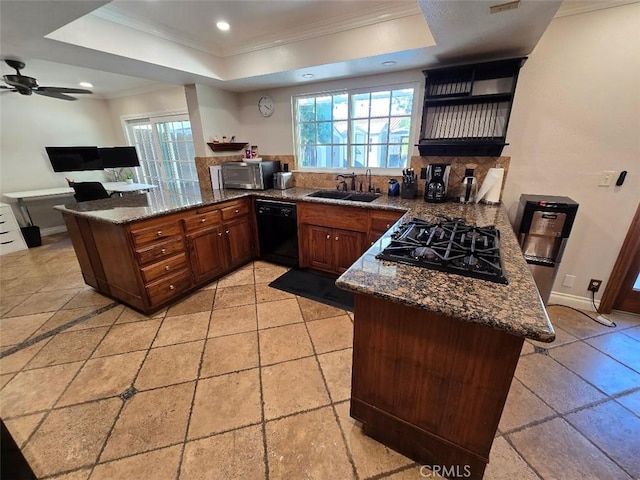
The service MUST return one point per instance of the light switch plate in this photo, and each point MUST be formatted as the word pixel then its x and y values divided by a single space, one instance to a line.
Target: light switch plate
pixel 606 178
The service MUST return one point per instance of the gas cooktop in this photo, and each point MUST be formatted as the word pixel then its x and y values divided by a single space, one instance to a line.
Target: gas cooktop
pixel 448 245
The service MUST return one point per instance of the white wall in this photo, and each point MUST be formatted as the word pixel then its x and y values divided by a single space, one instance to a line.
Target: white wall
pixel 28 124
pixel 576 114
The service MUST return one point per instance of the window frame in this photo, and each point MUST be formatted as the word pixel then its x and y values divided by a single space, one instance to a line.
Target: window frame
pixel 415 117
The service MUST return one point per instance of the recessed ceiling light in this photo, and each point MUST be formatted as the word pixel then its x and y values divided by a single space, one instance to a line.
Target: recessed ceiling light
pixel 86 84
pixel 222 25
pixel 388 63
pixel 308 75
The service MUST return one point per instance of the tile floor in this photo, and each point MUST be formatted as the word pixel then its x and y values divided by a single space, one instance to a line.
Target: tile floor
pixel 243 381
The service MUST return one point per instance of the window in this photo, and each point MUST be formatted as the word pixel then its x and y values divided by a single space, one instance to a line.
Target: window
pixel 166 152
pixel 354 129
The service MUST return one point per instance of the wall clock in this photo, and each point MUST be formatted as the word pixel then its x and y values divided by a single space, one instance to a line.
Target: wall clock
pixel 265 105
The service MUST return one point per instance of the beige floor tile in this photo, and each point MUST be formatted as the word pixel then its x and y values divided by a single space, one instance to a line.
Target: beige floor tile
pixel 35 390
pixel 615 430
pixel 210 286
pixel 331 334
pixel 265 293
pixel 8 302
pixel 292 387
pixel 225 403
pixel 128 338
pixel 575 323
pixel 418 472
pixel 562 338
pixel 5 378
pixel 631 401
pixel 170 365
pixel 129 315
pixel 183 328
pixel 68 347
pixel 23 285
pixel 633 333
pixel 231 353
pixel 228 321
pixel 522 408
pixel 297 447
pixel 623 348
pixel 602 371
pixel 82 474
pixel 371 457
pixel 336 368
pixel 284 343
pixel 280 312
pixel 506 464
pixel 104 319
pixel 527 348
pixel 234 296
pixel 62 317
pixel 243 276
pixel 556 450
pixel 61 282
pixel 267 274
pixel 312 310
pixel 157 465
pixel 9 273
pixel 103 377
pixel 150 420
pixel 22 427
pixel 200 301
pixel 236 455
pixel 17 329
pixel 71 437
pixel 560 388
pixel 88 297
pixel 16 361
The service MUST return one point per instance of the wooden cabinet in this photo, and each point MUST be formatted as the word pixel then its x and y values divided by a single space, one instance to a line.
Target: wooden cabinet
pixel 467 108
pixel 380 221
pixel 150 263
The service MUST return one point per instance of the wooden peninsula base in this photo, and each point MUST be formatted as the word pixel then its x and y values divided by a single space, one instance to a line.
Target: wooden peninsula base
pixel 430 386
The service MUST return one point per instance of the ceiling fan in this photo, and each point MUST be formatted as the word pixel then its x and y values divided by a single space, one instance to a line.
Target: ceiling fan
pixel 27 85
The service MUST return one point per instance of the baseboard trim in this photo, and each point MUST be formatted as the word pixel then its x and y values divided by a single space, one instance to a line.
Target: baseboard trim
pixel 583 303
pixel 44 232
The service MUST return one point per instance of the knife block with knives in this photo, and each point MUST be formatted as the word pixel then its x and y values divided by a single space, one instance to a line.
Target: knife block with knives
pixel 409 188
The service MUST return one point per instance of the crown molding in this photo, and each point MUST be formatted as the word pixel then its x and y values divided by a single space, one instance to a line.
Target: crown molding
pixel 568 9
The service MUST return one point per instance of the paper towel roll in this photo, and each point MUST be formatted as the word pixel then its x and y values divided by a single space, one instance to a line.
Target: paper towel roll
pixel 491 187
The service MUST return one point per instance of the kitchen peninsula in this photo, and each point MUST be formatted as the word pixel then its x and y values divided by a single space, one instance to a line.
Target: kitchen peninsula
pixel 434 353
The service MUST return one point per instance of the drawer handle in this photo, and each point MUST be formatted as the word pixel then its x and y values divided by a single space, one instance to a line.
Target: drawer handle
pixel 164 250
pixel 167 268
pixel 171 287
pixel 159 233
pixel 6 243
pixel 203 220
pixel 237 211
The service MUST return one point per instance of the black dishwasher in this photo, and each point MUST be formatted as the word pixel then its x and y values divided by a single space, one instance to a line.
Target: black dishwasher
pixel 277 232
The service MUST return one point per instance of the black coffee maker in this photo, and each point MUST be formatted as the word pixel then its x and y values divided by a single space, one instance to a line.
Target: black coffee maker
pixel 437 182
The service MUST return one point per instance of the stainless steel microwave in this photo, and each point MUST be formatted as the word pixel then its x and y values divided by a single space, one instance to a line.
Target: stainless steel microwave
pixel 249 175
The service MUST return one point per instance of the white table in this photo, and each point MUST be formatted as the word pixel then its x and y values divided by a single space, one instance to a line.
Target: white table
pixel 119 187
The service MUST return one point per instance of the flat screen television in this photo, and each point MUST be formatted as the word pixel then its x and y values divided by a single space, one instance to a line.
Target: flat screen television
pixel 118 157
pixel 73 159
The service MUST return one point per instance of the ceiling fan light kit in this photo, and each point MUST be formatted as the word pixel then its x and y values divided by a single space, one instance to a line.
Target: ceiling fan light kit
pixel 25 85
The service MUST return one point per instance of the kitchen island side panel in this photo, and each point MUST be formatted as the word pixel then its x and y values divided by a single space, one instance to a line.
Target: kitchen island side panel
pixel 433 380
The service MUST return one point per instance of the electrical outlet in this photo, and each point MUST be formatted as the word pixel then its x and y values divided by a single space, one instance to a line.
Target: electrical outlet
pixel 594 285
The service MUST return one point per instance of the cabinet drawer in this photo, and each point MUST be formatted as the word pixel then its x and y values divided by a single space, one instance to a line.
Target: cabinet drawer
pixel 333 216
pixel 143 236
pixel 160 251
pixel 7 220
pixel 11 242
pixel 381 222
pixel 236 210
pixel 163 290
pixel 201 221
pixel 169 265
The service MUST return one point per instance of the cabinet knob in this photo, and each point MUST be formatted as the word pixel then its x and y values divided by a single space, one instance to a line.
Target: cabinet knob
pixel 159 233
pixel 220 234
pixel 171 287
pixel 203 220
pixel 388 226
pixel 164 250
pixel 227 232
pixel 336 238
pixel 328 237
pixel 372 243
pixel 167 268
pixel 237 211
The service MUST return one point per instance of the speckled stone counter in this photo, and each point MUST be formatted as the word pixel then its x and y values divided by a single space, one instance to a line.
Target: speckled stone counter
pixel 515 308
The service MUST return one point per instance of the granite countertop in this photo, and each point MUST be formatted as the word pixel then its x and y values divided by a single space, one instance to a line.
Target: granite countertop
pixel 515 308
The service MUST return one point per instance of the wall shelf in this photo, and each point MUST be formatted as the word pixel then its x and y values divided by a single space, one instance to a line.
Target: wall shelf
pixel 227 147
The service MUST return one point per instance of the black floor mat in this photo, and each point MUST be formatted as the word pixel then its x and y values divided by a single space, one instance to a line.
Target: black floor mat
pixel 316 287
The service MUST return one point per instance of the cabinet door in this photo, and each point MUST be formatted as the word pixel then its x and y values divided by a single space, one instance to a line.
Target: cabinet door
pixel 206 253
pixel 347 248
pixel 240 242
pixel 316 247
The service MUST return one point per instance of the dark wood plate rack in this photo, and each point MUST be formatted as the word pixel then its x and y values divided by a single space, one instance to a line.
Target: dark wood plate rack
pixel 227 146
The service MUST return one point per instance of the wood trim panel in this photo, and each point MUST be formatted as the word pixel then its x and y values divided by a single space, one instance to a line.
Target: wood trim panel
pixel 381 221
pixel 82 251
pixel 347 218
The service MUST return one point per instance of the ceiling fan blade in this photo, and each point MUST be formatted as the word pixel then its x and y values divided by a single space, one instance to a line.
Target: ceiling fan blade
pixel 61 96
pixel 63 90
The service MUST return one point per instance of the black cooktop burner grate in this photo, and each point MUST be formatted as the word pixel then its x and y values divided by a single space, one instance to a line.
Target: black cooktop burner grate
pixel 449 246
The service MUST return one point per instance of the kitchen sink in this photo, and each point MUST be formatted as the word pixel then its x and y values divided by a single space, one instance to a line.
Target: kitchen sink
pixel 352 197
